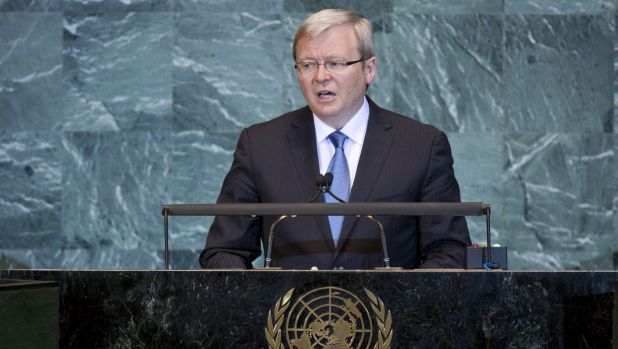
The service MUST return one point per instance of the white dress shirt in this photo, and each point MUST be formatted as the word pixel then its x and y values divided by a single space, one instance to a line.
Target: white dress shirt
pixel 355 129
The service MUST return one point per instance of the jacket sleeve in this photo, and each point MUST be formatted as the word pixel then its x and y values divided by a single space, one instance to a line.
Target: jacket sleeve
pixel 234 241
pixel 442 239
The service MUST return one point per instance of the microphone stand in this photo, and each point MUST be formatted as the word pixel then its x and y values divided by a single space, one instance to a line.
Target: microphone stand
pixel 323 182
pixel 387 260
pixel 328 180
pixel 271 235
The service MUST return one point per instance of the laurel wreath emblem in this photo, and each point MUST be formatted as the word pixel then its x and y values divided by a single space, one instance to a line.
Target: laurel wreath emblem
pixel 276 316
pixel 275 321
pixel 384 320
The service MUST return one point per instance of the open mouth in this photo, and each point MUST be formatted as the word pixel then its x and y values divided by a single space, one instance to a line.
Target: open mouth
pixel 326 95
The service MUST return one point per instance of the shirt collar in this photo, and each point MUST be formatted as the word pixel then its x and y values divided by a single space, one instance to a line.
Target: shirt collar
pixel 355 128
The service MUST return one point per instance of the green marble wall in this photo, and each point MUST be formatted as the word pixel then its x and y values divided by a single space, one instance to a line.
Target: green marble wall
pixel 110 109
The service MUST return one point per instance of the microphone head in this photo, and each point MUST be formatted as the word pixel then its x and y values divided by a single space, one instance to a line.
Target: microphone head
pixel 328 179
pixel 319 180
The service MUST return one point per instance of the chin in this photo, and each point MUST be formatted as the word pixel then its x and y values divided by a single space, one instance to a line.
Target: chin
pixel 327 114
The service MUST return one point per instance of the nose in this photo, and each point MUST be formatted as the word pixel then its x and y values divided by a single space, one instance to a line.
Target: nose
pixel 322 74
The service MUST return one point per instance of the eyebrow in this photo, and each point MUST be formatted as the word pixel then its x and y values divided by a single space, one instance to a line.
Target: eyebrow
pixel 328 58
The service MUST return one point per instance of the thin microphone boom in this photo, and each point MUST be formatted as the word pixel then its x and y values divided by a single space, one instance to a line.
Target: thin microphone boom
pixel 271 235
pixel 387 260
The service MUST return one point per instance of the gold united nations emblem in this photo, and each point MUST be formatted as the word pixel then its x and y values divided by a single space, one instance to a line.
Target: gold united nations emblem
pixel 329 318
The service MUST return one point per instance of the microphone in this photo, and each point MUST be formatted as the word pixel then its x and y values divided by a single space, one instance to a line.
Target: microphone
pixel 323 181
pixel 328 180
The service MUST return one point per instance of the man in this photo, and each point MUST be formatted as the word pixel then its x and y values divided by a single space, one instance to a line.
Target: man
pixel 375 156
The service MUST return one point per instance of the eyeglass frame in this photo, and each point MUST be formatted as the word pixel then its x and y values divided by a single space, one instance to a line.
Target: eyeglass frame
pixel 328 61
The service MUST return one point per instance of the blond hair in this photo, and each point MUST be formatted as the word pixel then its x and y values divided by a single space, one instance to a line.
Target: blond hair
pixel 321 21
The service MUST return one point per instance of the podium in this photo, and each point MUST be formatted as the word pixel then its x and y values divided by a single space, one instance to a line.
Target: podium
pixel 428 309
pixel 29 314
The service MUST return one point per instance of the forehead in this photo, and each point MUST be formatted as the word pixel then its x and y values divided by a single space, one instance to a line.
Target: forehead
pixel 336 41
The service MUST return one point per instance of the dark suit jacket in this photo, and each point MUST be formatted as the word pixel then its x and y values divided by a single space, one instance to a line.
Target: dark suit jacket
pixel 402 160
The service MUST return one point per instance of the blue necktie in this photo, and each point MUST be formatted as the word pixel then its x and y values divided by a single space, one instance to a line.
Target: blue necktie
pixel 341 181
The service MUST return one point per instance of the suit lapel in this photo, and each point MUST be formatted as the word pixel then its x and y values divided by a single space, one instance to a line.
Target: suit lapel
pixel 301 139
pixel 376 146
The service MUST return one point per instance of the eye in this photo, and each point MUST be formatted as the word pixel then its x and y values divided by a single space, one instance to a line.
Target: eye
pixel 335 65
pixel 307 65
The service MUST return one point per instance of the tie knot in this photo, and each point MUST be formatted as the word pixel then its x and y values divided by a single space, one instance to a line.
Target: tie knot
pixel 337 138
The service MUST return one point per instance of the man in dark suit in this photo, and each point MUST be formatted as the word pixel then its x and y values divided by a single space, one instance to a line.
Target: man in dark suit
pixel 374 154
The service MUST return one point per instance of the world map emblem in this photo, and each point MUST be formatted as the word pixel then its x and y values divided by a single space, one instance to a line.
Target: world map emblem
pixel 329 318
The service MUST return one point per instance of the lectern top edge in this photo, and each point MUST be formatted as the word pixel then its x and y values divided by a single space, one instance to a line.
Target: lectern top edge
pixel 341 209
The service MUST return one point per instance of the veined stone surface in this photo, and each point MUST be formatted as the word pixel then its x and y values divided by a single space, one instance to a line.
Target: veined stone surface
pixel 447 7
pixel 558 7
pixel 558 73
pixel 228 69
pixel 117 71
pixel 558 202
pixel 30 5
pixel 30 71
pixel 31 187
pixel 449 70
pixel 113 186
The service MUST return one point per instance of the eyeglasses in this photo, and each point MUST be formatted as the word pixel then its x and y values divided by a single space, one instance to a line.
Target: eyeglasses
pixel 309 67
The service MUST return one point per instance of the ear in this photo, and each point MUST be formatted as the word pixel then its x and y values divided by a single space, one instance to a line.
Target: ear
pixel 370 70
